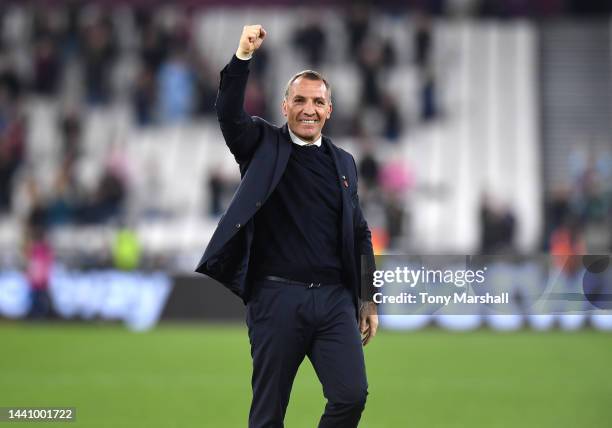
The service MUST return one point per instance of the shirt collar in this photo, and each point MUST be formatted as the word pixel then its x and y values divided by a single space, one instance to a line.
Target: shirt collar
pixel 296 140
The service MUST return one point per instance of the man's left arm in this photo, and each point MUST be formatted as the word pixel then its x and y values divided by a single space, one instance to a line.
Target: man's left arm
pixel 368 313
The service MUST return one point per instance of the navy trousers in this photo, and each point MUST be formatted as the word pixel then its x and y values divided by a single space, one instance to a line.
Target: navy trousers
pixel 288 322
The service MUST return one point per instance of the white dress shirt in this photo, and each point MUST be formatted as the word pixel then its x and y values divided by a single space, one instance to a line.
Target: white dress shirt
pixel 297 140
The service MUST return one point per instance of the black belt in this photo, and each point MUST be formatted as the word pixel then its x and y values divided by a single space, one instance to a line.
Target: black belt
pixel 292 282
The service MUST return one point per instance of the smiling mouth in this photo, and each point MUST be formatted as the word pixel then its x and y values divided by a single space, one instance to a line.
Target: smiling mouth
pixel 309 122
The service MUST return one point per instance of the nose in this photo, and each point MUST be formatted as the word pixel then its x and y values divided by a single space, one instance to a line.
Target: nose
pixel 309 109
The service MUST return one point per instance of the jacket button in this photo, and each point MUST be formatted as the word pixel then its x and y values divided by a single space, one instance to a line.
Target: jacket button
pixel 258 204
pixel 237 225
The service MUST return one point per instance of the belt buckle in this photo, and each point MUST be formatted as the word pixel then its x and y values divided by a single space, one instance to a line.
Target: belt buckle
pixel 313 285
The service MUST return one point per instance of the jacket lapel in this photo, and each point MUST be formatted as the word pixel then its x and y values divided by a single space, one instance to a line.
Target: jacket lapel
pixel 347 212
pixel 284 149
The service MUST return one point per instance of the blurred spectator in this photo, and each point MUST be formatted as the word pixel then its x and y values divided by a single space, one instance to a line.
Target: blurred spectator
pixel 98 54
pixel 154 45
pixel 37 215
pixel 144 97
pixel 126 250
pixel 71 131
pixel 46 23
pixel 7 170
pixel 12 149
pixel 70 35
pixel 497 227
pixel 311 40
pixel 107 201
pixel 394 213
pixel 389 56
pixel 428 102
pixel 48 26
pixel 216 185
pixel 179 26
pixel 396 176
pixel 61 206
pixel 592 204
pixel 357 26
pixel 109 196
pixel 152 184
pixel 39 259
pixel 556 212
pixel 583 209
pixel 370 64
pixel 221 188
pixel 206 88
pixel 423 42
pixel 176 88
pixel 559 207
pixel 396 180
pixel 590 199
pixel 392 119
pixel 568 240
pixel 11 85
pixel 423 59
pixel 368 169
pixel 38 253
pixel 47 67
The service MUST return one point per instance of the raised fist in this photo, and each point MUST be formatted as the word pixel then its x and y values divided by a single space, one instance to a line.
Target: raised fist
pixel 251 39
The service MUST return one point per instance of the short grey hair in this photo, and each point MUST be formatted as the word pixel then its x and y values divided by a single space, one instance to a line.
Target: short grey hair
pixel 309 75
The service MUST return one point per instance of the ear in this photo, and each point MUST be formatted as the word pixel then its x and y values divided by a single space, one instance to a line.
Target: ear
pixel 329 111
pixel 284 107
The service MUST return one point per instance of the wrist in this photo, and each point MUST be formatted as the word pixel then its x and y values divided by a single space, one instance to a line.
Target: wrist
pixel 369 307
pixel 240 54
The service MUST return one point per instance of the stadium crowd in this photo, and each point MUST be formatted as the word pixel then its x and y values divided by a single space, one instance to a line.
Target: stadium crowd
pixel 76 58
pixel 87 56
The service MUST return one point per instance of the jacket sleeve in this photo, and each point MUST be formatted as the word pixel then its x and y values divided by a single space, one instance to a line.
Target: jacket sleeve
pixel 240 131
pixel 364 249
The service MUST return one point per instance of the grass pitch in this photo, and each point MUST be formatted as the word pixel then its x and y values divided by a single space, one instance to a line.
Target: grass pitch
pixel 199 376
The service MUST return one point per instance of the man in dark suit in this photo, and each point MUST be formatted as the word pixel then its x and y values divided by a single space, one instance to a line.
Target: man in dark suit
pixel 294 245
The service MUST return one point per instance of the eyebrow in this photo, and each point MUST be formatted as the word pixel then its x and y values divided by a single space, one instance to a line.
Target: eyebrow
pixel 296 97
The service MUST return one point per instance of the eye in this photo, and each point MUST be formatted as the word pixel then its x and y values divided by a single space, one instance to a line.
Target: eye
pixel 320 102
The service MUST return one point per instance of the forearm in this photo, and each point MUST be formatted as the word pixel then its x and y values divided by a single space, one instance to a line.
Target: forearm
pixel 230 98
pixel 234 77
pixel 239 129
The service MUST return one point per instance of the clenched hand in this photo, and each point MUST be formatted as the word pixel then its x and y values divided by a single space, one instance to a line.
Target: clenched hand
pixel 251 39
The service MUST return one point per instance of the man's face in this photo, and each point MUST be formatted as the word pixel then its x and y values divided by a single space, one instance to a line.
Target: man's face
pixel 306 108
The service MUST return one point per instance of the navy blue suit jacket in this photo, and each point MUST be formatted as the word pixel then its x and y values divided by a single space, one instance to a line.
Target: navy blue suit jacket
pixel 262 151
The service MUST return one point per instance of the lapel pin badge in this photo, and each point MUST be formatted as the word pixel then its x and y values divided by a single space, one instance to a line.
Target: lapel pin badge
pixel 345 181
